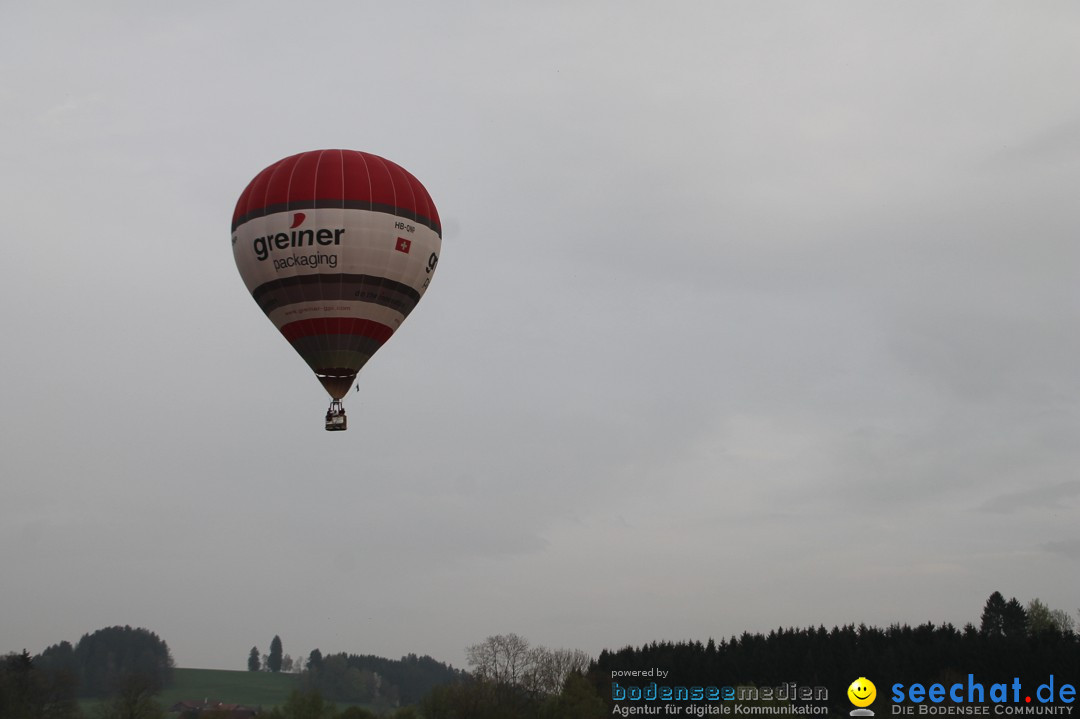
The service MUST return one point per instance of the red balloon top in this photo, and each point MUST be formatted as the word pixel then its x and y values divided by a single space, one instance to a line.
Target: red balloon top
pixel 336 178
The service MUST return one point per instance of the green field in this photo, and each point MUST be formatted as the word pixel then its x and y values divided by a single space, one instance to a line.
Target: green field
pixel 257 689
pixel 264 689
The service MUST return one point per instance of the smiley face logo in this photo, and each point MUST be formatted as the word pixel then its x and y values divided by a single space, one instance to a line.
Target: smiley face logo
pixel 862 692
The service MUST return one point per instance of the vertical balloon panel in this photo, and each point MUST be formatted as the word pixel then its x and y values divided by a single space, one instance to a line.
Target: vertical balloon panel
pixel 336 247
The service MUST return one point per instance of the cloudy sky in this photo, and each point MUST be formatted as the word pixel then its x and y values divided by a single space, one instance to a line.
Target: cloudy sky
pixel 748 315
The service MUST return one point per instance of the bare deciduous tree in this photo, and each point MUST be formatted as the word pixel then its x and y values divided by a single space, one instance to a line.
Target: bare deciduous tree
pixel 503 658
pixel 550 667
pixel 508 659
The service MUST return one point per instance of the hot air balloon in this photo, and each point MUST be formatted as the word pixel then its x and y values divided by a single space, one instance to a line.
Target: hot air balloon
pixel 336 247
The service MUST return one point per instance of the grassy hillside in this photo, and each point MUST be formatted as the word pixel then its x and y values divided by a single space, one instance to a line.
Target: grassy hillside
pixel 232 687
pixel 257 689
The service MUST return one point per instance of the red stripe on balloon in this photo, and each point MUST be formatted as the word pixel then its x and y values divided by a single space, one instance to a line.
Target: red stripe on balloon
pixel 316 326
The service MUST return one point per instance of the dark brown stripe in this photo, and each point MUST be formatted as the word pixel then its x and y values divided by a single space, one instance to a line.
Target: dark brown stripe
pixel 314 288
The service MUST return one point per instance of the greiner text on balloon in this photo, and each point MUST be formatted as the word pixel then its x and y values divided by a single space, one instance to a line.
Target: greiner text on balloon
pixel 266 244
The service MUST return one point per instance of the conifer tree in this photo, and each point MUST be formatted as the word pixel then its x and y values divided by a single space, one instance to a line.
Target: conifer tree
pixel 254 664
pixel 273 662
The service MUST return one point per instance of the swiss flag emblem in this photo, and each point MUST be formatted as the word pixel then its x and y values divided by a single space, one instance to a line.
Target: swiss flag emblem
pixel 403 245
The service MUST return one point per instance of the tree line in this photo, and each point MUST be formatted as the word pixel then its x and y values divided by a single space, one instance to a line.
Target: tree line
pixel 129 666
pixel 1010 641
pixel 509 678
pixel 375 680
pixel 101 660
pixel 365 678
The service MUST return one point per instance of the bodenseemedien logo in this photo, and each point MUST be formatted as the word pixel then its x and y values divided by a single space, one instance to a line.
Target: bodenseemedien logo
pixel 787 699
pixel 862 693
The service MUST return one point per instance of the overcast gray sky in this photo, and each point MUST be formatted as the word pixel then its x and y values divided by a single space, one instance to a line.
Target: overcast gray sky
pixel 748 314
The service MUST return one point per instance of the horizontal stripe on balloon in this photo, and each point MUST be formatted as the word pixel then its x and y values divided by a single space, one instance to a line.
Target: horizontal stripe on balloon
pixel 339 204
pixel 352 353
pixel 336 372
pixel 316 326
pixel 322 287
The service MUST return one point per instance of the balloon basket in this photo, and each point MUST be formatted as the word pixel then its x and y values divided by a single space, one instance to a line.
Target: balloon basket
pixel 336 421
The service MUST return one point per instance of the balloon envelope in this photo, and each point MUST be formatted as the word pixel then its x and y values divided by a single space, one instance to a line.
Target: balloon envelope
pixel 336 247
